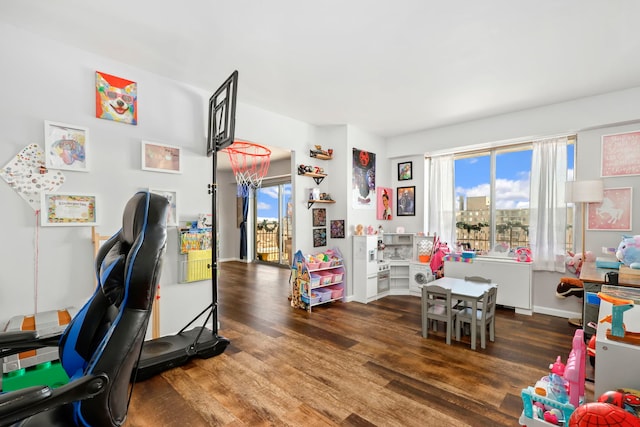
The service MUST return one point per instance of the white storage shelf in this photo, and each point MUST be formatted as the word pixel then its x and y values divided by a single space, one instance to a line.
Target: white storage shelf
pixel 513 279
pixel 335 270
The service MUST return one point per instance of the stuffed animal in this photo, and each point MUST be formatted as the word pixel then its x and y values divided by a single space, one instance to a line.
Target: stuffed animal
pixel 359 230
pixel 629 251
pixel 570 286
pixel 574 261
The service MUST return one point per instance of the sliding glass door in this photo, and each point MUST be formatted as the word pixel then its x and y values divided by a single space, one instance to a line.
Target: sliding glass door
pixel 273 223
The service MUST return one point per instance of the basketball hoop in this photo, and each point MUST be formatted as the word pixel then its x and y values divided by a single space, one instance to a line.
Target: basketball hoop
pixel 250 163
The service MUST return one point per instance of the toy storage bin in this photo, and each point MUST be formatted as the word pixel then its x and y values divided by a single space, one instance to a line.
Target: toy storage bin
pixel 314 280
pixel 336 291
pixel 313 265
pixel 337 277
pixel 325 277
pixel 315 298
pixel 325 264
pixel 325 294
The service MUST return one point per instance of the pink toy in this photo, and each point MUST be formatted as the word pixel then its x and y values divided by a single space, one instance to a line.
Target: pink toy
pixel 557 367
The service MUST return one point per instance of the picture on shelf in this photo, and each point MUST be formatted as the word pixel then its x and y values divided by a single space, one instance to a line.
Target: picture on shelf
pixel 337 228
pixel 319 217
pixel 319 237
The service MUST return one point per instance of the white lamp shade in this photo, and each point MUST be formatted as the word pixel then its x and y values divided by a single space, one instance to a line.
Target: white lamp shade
pixel 584 191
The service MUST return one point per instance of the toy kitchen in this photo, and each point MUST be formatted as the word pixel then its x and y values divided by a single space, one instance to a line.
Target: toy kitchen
pixel 382 265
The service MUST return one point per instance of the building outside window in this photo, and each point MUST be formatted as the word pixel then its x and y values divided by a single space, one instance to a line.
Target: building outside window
pixel 492 197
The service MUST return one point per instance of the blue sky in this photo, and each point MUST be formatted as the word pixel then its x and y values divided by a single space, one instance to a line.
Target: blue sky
pixel 472 179
pixel 512 177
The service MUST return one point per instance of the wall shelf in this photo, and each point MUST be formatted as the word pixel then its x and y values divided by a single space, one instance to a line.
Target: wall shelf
pixel 311 202
pixel 319 155
pixel 317 177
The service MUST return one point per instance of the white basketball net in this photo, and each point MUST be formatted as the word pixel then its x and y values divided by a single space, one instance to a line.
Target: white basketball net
pixel 250 163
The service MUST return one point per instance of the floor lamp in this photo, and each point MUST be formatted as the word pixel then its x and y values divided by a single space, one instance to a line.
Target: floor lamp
pixel 583 192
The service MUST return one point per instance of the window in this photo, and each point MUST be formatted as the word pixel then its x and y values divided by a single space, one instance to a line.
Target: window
pixel 492 197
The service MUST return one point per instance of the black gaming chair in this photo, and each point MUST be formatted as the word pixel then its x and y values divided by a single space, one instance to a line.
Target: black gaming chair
pixel 100 347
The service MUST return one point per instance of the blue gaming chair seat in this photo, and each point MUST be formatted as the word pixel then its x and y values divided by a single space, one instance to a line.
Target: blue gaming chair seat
pixel 101 346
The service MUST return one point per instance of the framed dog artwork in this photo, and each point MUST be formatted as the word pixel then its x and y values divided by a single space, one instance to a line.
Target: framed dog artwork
pixel 116 99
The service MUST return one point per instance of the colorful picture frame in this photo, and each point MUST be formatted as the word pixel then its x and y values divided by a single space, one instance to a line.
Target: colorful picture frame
pixel 613 213
pixel 620 154
pixel 319 217
pixel 161 157
pixel 385 201
pixel 337 228
pixel 172 196
pixel 116 99
pixel 66 146
pixel 319 237
pixel 68 209
pixel 406 201
pixel 405 171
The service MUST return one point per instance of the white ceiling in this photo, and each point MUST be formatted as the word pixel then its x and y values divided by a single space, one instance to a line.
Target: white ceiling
pixel 387 67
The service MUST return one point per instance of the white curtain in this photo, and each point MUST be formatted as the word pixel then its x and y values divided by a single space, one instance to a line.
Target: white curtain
pixel 442 213
pixel 547 207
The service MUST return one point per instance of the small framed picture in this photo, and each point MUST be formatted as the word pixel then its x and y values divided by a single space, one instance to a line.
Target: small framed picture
pixel 66 146
pixel 405 171
pixel 319 237
pixel 337 228
pixel 319 217
pixel 406 201
pixel 161 158
pixel 172 197
pixel 71 209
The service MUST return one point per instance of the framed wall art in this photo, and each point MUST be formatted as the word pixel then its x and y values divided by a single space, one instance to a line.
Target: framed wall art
pixel 116 99
pixel 385 201
pixel 319 237
pixel 405 171
pixel 613 213
pixel 161 158
pixel 621 154
pixel 406 201
pixel 319 217
pixel 172 197
pixel 60 209
pixel 337 228
pixel 66 146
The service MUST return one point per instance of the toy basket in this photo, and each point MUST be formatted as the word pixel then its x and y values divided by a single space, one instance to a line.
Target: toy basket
pixel 325 294
pixel 336 291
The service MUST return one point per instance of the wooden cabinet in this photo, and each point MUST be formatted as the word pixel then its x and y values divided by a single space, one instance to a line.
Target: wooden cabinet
pixel 313 284
pixel 513 278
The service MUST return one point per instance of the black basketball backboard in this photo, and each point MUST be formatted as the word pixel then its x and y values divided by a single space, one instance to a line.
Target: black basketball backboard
pixel 222 115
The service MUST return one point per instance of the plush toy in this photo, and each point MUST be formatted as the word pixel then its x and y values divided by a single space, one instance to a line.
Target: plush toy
pixel 570 286
pixel 628 251
pixel 573 261
pixel 359 230
pixel 523 254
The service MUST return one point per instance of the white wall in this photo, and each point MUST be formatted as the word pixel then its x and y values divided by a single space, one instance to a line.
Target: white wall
pixel 45 80
pixel 589 118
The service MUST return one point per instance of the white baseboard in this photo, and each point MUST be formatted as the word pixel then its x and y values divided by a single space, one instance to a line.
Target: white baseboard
pixel 555 312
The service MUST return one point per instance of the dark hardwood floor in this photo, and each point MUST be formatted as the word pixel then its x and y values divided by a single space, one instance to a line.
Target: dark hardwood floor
pixel 346 364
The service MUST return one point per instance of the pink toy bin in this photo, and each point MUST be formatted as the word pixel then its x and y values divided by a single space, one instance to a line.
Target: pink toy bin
pixel 336 291
pixel 337 277
pixel 325 264
pixel 325 277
